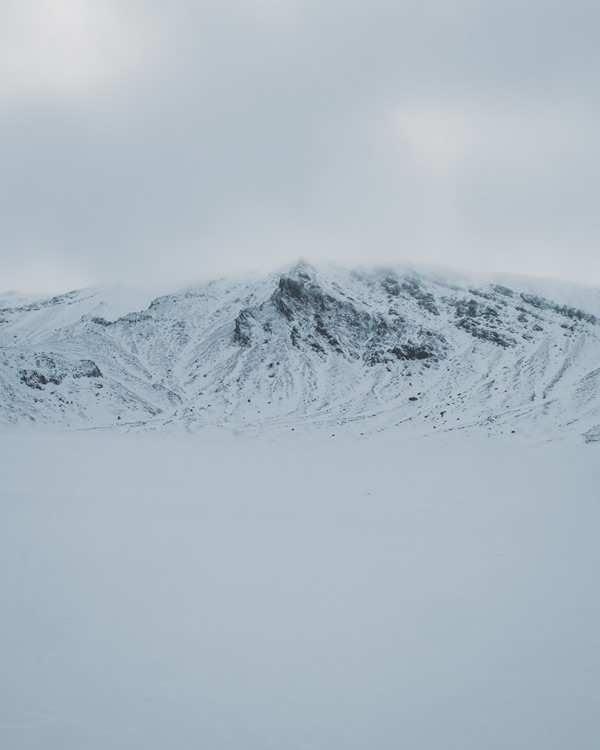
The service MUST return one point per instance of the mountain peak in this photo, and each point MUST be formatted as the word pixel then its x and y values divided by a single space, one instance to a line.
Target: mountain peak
pixel 308 347
pixel 301 268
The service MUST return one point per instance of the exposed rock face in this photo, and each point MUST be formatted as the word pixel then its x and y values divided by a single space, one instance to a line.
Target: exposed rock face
pixel 375 349
pixel 50 372
pixel 483 321
pixel 564 310
pixel 330 322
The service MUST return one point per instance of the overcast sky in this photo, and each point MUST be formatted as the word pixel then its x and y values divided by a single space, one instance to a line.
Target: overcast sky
pixel 145 141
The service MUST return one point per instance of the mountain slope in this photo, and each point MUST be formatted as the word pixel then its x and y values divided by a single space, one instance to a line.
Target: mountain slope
pixel 354 350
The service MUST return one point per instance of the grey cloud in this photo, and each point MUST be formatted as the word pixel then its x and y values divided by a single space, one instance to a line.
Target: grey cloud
pixel 265 129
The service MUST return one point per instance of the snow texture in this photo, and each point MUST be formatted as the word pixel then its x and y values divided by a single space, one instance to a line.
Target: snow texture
pixel 307 593
pixel 352 351
pixel 321 510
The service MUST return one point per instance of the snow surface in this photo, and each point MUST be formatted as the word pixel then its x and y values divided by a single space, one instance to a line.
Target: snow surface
pixel 314 592
pixel 358 351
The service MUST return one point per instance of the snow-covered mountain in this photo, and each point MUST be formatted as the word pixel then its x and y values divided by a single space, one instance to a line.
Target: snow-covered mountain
pixel 341 350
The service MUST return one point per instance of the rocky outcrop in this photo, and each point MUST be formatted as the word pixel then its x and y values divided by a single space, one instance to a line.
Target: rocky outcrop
pixel 306 347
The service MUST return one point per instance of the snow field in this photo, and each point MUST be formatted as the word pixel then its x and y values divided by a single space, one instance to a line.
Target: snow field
pixel 177 591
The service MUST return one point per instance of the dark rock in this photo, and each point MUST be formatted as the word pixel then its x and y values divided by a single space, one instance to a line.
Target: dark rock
pixel 565 310
pixel 243 328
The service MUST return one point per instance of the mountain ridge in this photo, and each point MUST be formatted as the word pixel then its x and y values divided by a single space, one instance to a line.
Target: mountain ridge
pixel 360 350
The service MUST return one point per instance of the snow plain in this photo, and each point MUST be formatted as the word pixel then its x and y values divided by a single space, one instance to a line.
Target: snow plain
pixel 310 593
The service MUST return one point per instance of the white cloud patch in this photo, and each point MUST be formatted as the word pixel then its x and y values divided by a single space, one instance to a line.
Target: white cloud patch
pixel 43 270
pixel 192 136
pixel 69 48
pixel 447 139
pixel 498 181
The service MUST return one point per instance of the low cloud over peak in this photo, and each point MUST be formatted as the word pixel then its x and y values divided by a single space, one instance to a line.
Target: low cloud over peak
pixel 183 140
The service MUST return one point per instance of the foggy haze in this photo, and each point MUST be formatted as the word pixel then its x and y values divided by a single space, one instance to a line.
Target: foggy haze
pixel 147 143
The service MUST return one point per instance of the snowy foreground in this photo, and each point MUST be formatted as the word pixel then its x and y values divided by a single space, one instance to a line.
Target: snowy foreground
pixel 223 593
